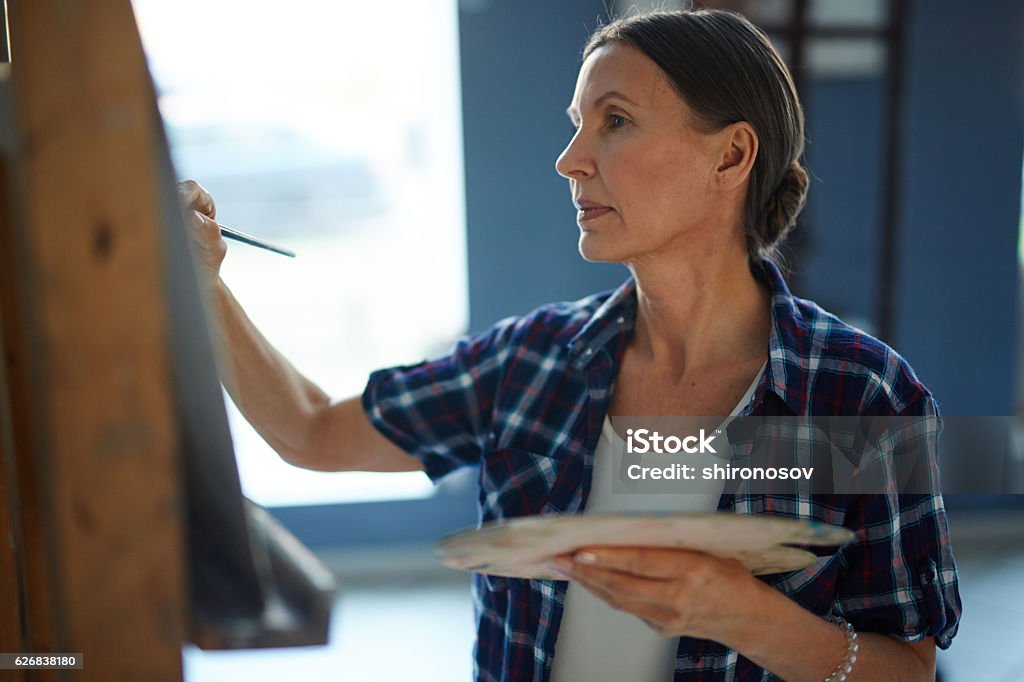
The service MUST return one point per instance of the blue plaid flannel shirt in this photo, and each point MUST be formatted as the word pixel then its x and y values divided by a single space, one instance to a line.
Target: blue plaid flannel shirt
pixel 525 402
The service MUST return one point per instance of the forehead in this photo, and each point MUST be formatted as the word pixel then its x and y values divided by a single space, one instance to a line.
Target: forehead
pixel 624 69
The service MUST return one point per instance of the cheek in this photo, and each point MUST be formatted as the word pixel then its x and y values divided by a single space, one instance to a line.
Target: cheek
pixel 635 175
pixel 654 183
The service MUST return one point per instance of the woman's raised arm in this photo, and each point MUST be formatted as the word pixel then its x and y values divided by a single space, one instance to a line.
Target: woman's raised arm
pixel 294 415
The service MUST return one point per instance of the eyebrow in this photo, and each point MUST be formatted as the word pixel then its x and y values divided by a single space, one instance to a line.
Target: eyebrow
pixel 573 114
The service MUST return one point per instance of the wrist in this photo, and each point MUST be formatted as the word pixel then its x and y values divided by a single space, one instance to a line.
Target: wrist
pixel 782 636
pixel 216 290
pixel 843 669
pixel 741 626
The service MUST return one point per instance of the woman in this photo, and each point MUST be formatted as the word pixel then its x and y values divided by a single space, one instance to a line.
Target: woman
pixel 685 167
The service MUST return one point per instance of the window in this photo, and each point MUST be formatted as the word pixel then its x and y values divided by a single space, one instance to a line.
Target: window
pixel 333 128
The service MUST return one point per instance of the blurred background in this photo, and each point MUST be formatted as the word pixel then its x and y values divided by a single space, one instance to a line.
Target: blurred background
pixel 407 154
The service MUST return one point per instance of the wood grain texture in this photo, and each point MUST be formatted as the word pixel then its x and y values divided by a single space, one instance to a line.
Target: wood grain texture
pixel 104 429
pixel 18 512
pixel 12 634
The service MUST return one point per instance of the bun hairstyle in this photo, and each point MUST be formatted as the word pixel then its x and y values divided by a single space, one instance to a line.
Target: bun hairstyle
pixel 726 70
pixel 779 215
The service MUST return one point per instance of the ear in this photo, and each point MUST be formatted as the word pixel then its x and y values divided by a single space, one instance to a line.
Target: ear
pixel 737 153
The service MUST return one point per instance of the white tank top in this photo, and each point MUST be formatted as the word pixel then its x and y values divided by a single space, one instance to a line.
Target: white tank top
pixel 595 642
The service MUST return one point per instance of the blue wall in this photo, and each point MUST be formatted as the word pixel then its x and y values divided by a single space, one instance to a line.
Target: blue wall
pixel 838 250
pixel 958 295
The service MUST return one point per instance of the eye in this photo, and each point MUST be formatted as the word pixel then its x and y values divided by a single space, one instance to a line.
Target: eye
pixel 617 120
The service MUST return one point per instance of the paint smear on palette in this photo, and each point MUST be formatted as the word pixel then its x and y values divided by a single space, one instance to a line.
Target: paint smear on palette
pixel 524 547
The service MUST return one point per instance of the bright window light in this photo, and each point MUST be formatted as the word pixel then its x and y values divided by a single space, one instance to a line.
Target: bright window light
pixel 333 128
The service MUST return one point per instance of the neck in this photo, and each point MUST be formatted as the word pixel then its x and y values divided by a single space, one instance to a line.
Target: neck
pixel 704 309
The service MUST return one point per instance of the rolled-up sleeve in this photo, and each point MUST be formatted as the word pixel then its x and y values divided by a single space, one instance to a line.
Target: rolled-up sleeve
pixel 440 411
pixel 899 576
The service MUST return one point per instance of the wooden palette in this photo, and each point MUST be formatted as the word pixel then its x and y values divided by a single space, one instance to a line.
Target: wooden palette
pixel 524 547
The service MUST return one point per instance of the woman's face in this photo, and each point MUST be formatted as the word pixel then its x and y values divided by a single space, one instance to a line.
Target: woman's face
pixel 641 176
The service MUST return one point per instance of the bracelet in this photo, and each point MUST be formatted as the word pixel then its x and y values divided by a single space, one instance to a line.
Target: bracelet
pixel 845 666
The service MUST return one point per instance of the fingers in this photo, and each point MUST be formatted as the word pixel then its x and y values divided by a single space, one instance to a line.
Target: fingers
pixel 650 562
pixel 678 591
pixel 194 196
pixel 200 210
pixel 616 587
pixel 212 247
pixel 207 231
pixel 650 600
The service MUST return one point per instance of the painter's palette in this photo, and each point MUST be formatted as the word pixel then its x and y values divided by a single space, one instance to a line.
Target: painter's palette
pixel 524 547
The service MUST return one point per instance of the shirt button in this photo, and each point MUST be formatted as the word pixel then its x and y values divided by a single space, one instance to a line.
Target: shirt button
pixel 621 320
pixel 589 351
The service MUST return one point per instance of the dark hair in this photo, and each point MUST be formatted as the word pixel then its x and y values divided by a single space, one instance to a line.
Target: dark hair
pixel 727 71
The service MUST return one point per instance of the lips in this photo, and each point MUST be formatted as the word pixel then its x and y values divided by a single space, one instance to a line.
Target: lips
pixel 589 210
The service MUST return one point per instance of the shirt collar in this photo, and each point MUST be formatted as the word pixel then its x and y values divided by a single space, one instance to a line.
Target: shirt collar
pixel 613 317
pixel 789 341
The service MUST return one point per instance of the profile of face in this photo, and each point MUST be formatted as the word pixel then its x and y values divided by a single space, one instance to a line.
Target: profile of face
pixel 647 183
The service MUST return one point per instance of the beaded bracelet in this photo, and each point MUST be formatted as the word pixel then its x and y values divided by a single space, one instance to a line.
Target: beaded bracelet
pixel 845 666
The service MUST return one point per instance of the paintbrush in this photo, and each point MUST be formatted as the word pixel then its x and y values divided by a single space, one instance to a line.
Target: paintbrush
pixel 239 236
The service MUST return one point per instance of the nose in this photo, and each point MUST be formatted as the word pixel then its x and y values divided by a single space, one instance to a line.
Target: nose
pixel 575 163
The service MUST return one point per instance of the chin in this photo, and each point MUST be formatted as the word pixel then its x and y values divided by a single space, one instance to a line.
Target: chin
pixel 597 250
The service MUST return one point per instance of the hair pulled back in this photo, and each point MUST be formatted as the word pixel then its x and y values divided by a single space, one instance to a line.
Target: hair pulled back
pixel 726 70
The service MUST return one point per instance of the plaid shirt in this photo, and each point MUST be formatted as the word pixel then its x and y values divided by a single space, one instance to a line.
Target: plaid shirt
pixel 525 402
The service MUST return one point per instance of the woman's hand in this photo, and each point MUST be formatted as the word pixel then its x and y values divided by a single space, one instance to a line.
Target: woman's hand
pixel 676 592
pixel 680 592
pixel 201 210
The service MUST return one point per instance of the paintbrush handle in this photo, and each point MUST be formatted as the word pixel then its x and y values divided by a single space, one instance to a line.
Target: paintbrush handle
pixel 239 236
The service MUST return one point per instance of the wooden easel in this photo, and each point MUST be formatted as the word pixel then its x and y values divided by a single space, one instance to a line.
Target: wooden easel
pixel 92 427
pixel 94 540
